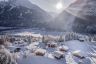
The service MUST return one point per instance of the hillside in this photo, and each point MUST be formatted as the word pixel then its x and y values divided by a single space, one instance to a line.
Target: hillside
pixel 78 17
pixel 17 14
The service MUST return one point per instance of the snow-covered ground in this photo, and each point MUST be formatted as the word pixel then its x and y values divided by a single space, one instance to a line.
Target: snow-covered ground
pixel 39 53
pixel 48 58
pixel 38 60
pixel 32 30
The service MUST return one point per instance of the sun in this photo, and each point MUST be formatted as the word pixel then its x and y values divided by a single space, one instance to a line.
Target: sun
pixel 59 6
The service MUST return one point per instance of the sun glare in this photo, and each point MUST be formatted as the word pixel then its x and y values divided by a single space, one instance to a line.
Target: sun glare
pixel 59 6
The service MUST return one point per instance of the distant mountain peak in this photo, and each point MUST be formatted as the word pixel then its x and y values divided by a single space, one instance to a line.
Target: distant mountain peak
pixel 25 3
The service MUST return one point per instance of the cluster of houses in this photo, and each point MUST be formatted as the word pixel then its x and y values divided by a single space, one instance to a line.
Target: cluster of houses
pixel 31 45
pixel 50 41
pixel 46 38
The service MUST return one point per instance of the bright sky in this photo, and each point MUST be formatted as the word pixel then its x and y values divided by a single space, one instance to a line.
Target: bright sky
pixel 52 5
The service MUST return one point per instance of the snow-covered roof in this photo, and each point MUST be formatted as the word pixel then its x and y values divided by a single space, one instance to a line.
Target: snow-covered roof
pixel 64 47
pixel 41 50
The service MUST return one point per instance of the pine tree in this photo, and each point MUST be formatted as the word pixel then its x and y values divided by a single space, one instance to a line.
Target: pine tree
pixel 61 39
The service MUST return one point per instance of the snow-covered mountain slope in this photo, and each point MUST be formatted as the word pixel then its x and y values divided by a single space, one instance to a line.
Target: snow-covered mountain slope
pixel 78 17
pixel 86 22
pixel 25 3
pixel 22 13
pixel 63 21
pixel 28 4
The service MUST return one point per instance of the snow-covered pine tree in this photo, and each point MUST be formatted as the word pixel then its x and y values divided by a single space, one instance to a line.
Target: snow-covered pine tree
pixel 61 39
pixel 5 56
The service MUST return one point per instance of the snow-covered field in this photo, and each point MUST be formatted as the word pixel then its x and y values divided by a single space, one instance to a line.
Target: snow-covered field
pixel 32 30
pixel 27 57
pixel 53 52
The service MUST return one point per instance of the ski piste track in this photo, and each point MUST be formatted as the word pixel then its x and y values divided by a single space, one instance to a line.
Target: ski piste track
pixel 88 49
pixel 91 50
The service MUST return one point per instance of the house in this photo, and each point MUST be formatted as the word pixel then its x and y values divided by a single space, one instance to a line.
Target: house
pixel 52 44
pixel 40 52
pixel 63 48
pixel 58 54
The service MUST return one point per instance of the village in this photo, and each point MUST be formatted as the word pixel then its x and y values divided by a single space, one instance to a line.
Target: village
pixel 54 47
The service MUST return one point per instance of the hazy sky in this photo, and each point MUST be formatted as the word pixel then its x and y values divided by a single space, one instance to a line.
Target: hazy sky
pixel 50 5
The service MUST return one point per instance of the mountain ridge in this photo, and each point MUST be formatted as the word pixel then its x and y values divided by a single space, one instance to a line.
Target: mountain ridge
pixel 20 16
pixel 79 17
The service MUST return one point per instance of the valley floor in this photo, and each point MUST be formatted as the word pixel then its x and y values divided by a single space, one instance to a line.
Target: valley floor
pixel 49 59
pixel 26 54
